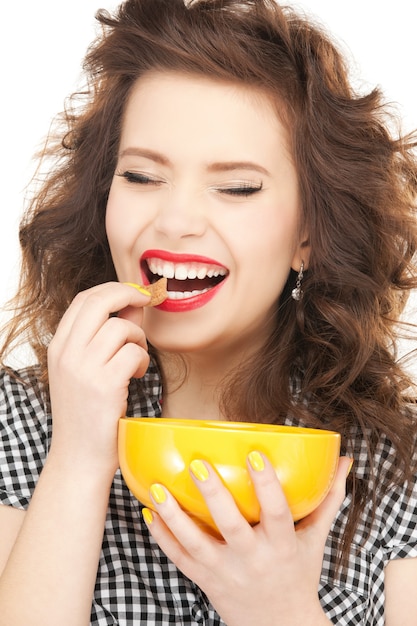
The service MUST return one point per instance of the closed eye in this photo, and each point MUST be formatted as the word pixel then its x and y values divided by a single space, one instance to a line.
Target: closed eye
pixel 243 189
pixel 138 178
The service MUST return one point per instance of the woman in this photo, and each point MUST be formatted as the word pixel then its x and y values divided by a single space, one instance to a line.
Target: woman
pixel 221 146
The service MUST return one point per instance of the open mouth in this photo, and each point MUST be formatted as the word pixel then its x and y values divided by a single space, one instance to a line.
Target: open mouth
pixel 185 279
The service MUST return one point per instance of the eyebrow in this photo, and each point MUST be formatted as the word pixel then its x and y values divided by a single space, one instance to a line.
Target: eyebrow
pixel 148 154
pixel 227 166
pixel 221 166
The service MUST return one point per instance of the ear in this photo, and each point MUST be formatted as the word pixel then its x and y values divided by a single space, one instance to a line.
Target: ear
pixel 302 254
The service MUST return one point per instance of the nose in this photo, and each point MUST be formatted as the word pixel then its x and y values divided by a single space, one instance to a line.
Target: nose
pixel 181 214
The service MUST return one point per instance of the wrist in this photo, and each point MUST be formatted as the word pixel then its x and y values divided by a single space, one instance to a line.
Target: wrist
pixel 87 473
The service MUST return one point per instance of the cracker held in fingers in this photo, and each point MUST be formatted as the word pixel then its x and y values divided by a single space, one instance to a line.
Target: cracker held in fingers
pixel 158 292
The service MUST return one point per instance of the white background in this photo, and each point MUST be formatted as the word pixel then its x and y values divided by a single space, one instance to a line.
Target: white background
pixel 43 44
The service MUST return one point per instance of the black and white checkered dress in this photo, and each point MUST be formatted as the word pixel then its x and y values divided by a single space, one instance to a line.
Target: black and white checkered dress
pixel 137 584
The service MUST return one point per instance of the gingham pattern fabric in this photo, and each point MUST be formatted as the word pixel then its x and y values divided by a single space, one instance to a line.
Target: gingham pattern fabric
pixel 137 584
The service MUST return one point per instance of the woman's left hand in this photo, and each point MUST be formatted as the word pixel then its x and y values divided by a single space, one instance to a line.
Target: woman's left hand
pixel 266 574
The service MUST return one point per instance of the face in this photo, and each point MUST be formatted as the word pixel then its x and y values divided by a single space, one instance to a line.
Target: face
pixel 205 193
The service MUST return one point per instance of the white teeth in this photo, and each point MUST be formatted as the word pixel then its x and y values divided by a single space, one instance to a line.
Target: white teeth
pixel 182 295
pixel 182 271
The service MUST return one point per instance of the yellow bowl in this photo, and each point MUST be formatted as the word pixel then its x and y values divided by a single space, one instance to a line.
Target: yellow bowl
pixel 158 450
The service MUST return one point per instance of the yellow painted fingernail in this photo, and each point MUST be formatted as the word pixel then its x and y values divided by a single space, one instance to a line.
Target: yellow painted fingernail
pixel 139 288
pixel 349 468
pixel 147 516
pixel 199 470
pixel 256 461
pixel 158 493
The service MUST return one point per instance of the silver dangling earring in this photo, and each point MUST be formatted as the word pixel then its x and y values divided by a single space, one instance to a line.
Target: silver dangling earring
pixel 297 292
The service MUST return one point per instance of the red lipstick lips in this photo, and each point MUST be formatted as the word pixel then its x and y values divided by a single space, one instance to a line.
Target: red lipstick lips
pixel 193 280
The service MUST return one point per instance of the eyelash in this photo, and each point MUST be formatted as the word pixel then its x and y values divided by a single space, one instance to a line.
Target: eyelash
pixel 139 179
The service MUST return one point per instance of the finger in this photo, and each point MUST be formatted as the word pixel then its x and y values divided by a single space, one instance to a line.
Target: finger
pixel 169 544
pixel 222 506
pixel 71 313
pixel 134 313
pixel 163 535
pixel 132 361
pixel 275 515
pixel 112 336
pixel 185 542
pixel 90 309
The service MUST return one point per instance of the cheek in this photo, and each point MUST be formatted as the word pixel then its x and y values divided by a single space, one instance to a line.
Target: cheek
pixel 111 212
pixel 128 214
pixel 121 220
pixel 118 230
pixel 270 239
pixel 267 254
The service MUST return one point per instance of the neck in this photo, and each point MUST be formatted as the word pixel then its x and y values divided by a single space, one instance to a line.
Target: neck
pixel 192 386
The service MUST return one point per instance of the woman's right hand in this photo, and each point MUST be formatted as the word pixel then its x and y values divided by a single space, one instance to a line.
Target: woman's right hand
pixel 91 360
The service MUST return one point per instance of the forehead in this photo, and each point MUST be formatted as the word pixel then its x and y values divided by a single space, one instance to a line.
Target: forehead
pixel 172 83
pixel 170 103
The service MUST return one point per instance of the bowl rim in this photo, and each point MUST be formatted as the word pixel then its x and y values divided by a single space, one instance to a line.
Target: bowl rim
pixel 227 426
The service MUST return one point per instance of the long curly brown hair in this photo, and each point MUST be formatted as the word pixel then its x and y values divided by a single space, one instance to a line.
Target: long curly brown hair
pixel 358 184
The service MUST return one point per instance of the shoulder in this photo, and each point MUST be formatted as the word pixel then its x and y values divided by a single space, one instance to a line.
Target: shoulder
pixel 391 481
pixel 25 431
pixel 22 386
pixel 385 530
